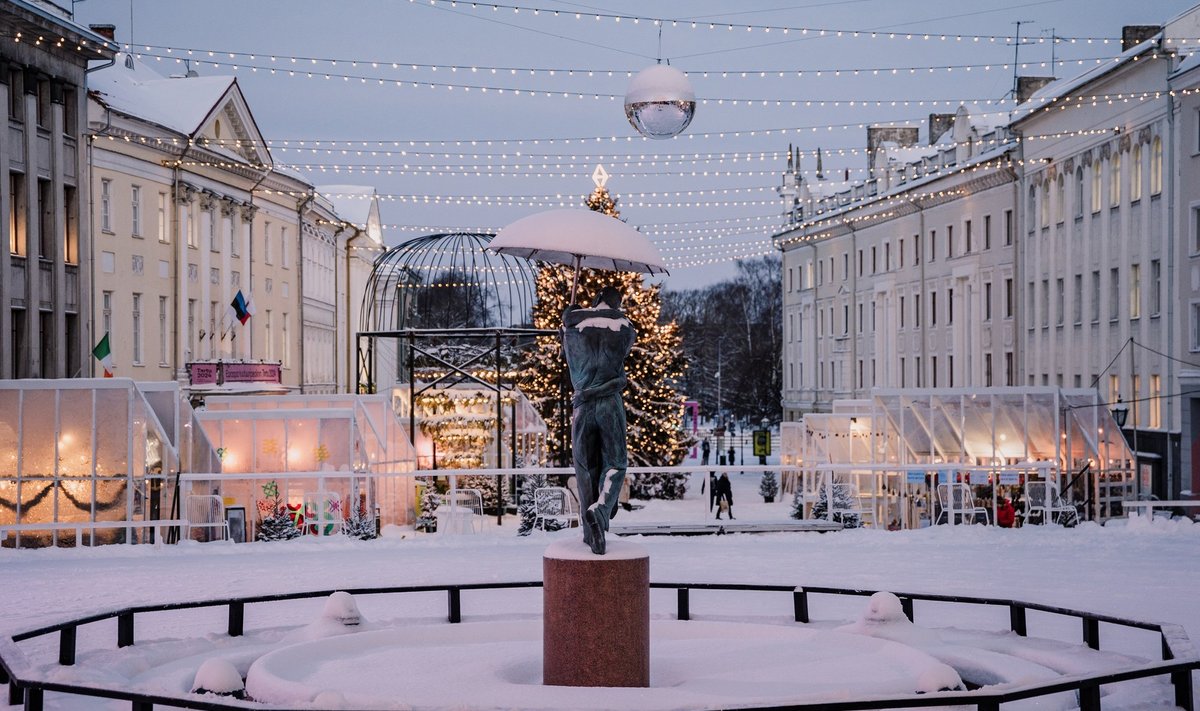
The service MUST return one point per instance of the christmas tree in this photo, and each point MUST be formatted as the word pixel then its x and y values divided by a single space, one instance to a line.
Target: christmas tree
pixel 768 488
pixel 278 526
pixel 654 367
pixel 360 525
pixel 429 502
pixel 844 509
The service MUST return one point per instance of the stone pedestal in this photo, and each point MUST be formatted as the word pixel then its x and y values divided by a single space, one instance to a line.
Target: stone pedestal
pixel 596 615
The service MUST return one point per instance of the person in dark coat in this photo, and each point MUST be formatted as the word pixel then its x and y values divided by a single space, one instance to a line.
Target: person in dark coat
pixel 724 492
pixel 705 451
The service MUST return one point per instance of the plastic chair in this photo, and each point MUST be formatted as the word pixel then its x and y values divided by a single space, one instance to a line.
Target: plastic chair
pixel 206 515
pixel 958 504
pixel 554 505
pixel 461 511
pixel 1042 500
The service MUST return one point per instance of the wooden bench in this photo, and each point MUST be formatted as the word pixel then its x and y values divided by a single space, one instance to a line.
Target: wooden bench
pixel 80 526
pixel 708 529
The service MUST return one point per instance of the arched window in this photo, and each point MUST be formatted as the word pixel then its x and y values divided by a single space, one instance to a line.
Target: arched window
pixel 1046 204
pixel 1079 191
pixel 1060 198
pixel 1135 174
pixel 1156 166
pixel 1096 178
pixel 1114 180
pixel 1032 211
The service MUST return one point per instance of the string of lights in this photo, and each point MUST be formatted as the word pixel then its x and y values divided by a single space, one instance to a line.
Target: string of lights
pixel 617 18
pixel 227 58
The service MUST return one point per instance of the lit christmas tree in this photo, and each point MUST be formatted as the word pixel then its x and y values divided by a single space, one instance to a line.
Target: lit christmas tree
pixel 654 367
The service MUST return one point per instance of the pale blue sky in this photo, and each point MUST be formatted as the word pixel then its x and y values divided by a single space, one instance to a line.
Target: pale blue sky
pixel 387 31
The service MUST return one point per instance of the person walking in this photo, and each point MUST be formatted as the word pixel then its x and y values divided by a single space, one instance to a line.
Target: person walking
pixel 724 492
pixel 705 451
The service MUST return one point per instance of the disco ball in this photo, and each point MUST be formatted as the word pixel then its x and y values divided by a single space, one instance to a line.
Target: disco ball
pixel 660 102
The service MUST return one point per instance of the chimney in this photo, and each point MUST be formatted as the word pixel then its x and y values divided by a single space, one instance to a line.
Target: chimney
pixel 939 124
pixel 108 32
pixel 903 136
pixel 1027 86
pixel 1133 35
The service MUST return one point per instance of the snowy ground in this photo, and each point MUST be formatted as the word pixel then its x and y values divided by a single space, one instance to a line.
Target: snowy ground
pixel 1138 570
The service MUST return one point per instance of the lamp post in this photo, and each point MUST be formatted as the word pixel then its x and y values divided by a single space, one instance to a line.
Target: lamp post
pixel 1120 413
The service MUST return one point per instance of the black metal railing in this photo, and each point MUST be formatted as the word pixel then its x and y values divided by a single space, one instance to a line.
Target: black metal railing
pixel 28 685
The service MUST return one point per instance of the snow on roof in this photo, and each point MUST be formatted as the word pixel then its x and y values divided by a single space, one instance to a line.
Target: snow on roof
pixel 351 202
pixel 1188 64
pixel 1063 87
pixel 907 154
pixel 180 104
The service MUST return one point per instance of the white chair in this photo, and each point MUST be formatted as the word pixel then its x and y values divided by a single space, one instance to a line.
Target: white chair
pixel 958 504
pixel 206 518
pixel 554 505
pixel 322 513
pixel 460 511
pixel 1042 501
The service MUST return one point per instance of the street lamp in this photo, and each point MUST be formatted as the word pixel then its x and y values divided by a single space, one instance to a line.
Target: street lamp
pixel 1120 413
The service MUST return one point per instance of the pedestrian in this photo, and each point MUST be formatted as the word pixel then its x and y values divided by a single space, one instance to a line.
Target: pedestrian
pixel 724 492
pixel 732 461
pixel 1006 514
pixel 705 451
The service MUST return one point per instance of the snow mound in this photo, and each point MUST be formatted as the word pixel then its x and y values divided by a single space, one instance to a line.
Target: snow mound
pixel 341 608
pixel 340 616
pixel 884 607
pixel 217 676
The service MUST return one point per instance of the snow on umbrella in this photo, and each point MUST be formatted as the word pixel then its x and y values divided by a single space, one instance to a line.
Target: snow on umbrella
pixel 581 238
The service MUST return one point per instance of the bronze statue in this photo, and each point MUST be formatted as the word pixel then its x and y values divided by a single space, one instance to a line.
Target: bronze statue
pixel 596 340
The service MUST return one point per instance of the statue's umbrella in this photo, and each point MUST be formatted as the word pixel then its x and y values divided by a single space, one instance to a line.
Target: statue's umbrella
pixel 581 238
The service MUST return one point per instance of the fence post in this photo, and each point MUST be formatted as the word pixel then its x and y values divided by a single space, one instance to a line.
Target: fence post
pixel 141 706
pixel 1182 681
pixel 906 604
pixel 125 629
pixel 1016 619
pixel 1089 697
pixel 16 694
pixel 66 646
pixel 237 618
pixel 683 609
pixel 455 603
pixel 33 699
pixel 800 604
pixel 988 706
pixel 1091 633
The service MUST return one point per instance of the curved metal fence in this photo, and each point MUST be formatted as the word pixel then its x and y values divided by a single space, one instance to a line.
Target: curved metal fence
pixel 28 685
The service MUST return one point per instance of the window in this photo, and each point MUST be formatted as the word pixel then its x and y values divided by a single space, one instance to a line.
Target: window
pixel 230 230
pixel 1059 199
pixel 267 244
pixel 284 252
pixel 1009 228
pixel 163 335
pixel 860 318
pixel 887 256
pixel 106 304
pixel 987 301
pixel 900 253
pixel 135 209
pixel 1156 166
pixel 1010 369
pixel 1096 296
pixel 933 368
pixel 845 266
pixel 901 372
pixel 1114 181
pixel 933 245
pixel 16 96
pixel 1135 291
pixel 950 306
pixel 860 262
pixel 1045 303
pixel 45 216
pixel 16 215
pixel 1155 287
pixel 967 236
pixel 1135 174
pixel 190 232
pixel 845 319
pixel 1078 306
pixel 874 259
pixel 791 279
pixel 1114 390
pixel 270 336
pixel 949 241
pixel 71 228
pixel 1097 182
pixel 287 344
pixel 917 311
pixel 987 232
pixel 1114 294
pixel 211 217
pixel 1195 326
pixel 137 329
pixel 1155 402
pixel 916 249
pixel 163 235
pixel 1009 297
pixel 933 308
pixel 1045 207
pixel 901 312
pixel 1031 209
pixel 1195 230
pixel 106 205
pixel 918 369
pixel 1031 306
pixel 1059 302
pixel 1079 191
pixel 191 328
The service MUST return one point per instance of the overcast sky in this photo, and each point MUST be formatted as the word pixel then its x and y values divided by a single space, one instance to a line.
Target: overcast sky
pixel 701 223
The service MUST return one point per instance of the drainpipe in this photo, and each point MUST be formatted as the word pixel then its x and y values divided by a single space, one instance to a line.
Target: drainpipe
pixel 300 208
pixel 91 164
pixel 1173 369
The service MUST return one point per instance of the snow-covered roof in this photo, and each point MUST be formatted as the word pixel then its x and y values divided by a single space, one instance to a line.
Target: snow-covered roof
pixel 181 104
pixel 907 154
pixel 351 202
pixel 1064 87
pixel 1188 64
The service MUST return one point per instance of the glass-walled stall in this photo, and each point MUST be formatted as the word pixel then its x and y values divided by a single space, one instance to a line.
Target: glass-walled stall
pixel 82 461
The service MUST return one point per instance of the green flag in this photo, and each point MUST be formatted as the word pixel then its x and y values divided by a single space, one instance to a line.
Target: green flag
pixel 103 353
